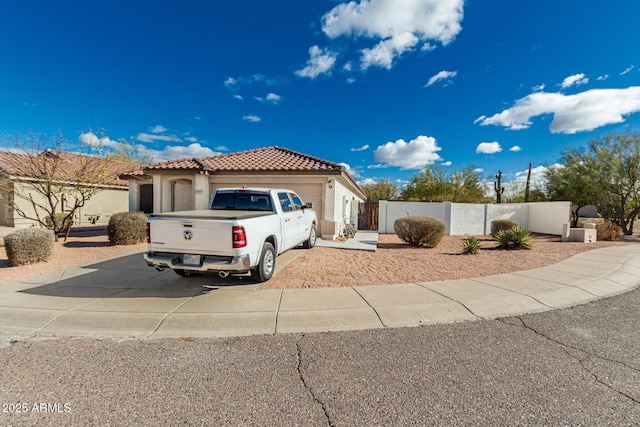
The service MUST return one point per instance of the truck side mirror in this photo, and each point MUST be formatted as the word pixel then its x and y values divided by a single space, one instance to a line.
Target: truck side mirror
pixel 308 205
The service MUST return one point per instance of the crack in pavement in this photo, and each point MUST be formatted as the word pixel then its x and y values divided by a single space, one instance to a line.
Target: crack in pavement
pixel 581 361
pixel 307 386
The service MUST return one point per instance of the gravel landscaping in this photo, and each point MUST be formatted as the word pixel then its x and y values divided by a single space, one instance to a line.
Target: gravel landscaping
pixel 393 262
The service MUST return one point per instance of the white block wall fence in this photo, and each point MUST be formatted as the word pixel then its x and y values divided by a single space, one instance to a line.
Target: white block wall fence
pixel 475 219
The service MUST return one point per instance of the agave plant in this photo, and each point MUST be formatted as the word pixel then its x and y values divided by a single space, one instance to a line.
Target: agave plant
pixel 515 238
pixel 470 245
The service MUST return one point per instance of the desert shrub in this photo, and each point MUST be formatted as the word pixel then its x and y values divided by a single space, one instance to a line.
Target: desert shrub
pixel 63 220
pixel 470 245
pixel 28 246
pixel 514 238
pixel 127 228
pixel 419 230
pixel 499 225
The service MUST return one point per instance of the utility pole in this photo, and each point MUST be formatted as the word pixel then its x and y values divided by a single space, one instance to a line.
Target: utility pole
pixel 526 189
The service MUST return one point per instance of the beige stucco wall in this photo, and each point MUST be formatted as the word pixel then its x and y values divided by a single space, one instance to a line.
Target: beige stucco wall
pixel 101 206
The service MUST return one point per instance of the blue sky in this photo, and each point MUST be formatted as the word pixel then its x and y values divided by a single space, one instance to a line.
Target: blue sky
pixel 385 86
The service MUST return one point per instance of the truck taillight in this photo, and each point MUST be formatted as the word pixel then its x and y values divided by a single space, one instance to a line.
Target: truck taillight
pixel 148 233
pixel 239 237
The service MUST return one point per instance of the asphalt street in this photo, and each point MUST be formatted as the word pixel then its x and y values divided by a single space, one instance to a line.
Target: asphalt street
pixel 576 366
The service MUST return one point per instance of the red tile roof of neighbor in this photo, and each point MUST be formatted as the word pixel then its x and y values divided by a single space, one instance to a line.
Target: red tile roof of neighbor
pixel 276 159
pixel 69 165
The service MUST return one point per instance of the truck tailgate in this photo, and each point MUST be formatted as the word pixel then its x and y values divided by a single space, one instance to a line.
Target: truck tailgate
pixel 208 237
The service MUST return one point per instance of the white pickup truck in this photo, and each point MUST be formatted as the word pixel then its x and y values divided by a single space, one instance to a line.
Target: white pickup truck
pixel 243 231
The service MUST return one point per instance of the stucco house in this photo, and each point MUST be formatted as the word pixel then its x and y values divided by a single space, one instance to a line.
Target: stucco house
pixel 189 183
pixel 18 173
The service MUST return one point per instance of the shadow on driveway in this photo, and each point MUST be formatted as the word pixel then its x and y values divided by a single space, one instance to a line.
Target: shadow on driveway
pixel 130 277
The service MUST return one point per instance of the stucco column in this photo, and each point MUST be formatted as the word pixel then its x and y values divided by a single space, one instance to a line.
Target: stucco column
pixel 157 193
pixel 134 195
pixel 201 191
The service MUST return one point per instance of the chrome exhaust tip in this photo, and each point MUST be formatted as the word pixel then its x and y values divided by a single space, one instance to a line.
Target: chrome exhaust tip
pixel 223 274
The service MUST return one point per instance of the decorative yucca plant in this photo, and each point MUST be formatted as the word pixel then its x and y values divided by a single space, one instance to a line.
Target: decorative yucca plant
pixel 470 245
pixel 515 238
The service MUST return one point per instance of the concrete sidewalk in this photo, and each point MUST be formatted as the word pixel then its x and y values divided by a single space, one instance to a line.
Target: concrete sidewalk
pixel 123 298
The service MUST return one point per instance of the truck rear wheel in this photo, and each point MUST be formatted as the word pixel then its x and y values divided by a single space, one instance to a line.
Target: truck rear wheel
pixel 267 264
pixel 185 273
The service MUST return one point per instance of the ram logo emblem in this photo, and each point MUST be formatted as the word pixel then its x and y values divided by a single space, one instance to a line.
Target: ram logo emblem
pixel 188 234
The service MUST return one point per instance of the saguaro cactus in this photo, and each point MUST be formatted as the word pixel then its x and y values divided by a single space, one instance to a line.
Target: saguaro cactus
pixel 497 186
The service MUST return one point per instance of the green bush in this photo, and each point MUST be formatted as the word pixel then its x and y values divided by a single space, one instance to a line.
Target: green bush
pixel 419 230
pixel 470 245
pixel 63 220
pixel 499 225
pixel 127 228
pixel 515 238
pixel 28 246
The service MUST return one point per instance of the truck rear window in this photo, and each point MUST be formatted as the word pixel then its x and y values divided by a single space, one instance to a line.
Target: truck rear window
pixel 242 201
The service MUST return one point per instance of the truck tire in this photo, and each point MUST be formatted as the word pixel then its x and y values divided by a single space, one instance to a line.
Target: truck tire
pixel 311 240
pixel 185 273
pixel 266 265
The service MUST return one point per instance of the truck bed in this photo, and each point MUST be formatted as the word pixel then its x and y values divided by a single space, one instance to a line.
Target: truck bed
pixel 212 214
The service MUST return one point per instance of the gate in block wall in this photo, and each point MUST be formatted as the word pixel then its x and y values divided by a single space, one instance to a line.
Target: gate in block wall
pixel 368 216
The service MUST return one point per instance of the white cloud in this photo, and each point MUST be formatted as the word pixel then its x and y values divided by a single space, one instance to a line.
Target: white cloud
pixel 447 163
pixel 537 175
pixel 396 26
pixel 159 129
pixel 91 139
pixel 442 75
pixel 238 97
pixel 538 88
pixel 383 54
pixel 427 47
pixel 627 70
pixel 378 166
pixel 321 61
pixel 515 148
pixel 147 137
pixel 273 98
pixel 231 83
pixel 414 154
pixel 603 77
pixel 478 170
pixel 251 118
pixel 353 172
pixel 363 148
pixel 489 147
pixel 575 80
pixel 584 111
pixel 178 152
pixel 237 83
pixel 367 181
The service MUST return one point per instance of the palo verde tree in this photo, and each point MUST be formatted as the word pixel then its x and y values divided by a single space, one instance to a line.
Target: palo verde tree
pixel 381 190
pixel 50 184
pixel 606 174
pixel 434 184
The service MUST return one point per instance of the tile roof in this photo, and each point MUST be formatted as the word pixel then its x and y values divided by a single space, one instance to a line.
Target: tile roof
pixel 266 159
pixel 22 165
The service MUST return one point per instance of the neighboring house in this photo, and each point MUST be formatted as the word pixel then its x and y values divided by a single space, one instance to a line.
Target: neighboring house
pixel 17 175
pixel 189 183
